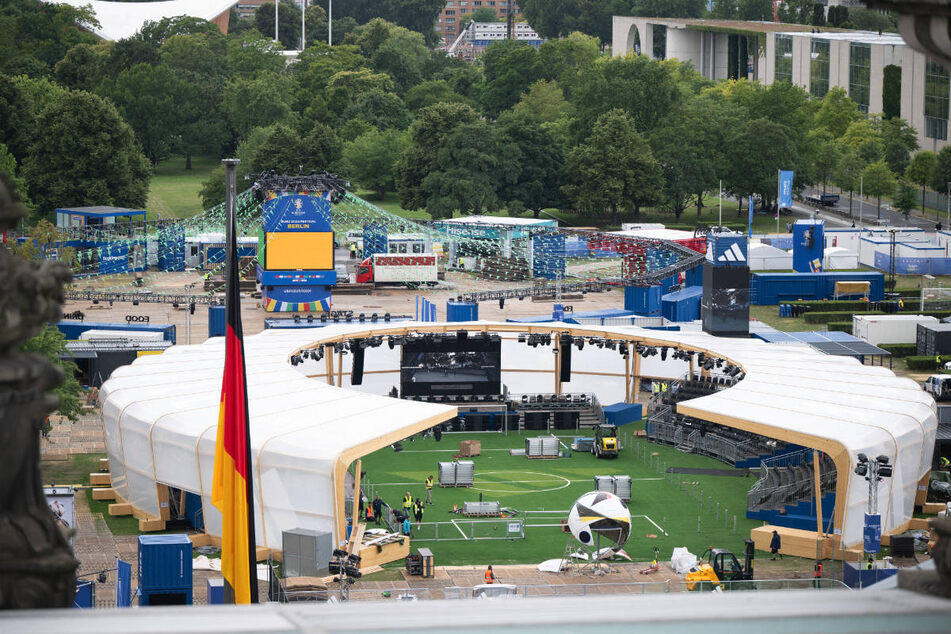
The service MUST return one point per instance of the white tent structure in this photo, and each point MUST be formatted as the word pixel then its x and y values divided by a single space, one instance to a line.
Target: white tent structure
pixel 839 258
pixel 119 20
pixel 764 257
pixel 160 414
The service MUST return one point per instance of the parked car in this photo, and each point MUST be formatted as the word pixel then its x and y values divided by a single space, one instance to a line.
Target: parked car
pixel 939 386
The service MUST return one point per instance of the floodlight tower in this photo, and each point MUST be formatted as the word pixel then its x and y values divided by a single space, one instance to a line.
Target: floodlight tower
pixel 874 472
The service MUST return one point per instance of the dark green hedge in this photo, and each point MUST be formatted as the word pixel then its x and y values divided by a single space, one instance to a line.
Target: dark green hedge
pixel 840 326
pixel 900 349
pixel 852 305
pixel 920 363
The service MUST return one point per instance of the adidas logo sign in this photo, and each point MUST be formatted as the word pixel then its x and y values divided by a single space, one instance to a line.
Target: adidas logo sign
pixel 733 254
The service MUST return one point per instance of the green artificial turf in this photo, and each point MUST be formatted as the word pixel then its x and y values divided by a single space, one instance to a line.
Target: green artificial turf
pixel 552 485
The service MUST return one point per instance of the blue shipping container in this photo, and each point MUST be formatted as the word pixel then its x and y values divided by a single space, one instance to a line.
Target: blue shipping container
pixel 175 596
pixel 643 300
pixel 462 311
pixel 217 321
pixel 768 289
pixel 165 562
pixel 72 329
pixel 683 305
pixel 623 413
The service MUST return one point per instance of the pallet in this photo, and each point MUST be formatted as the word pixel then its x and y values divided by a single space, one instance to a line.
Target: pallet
pixel 454 486
pixel 543 457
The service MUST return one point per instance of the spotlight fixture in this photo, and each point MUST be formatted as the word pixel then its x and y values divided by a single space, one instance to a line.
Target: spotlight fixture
pixel 663 353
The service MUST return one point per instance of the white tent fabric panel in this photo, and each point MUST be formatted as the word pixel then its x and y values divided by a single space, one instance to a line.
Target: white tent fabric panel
pixel 161 414
pixel 765 257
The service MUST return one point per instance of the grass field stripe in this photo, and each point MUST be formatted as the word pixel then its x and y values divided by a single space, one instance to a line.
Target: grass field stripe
pixel 462 532
pixel 654 523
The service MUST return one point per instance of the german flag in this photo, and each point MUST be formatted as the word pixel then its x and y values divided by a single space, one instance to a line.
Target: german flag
pixel 231 488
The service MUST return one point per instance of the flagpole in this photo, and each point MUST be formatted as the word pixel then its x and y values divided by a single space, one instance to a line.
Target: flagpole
pixel 779 192
pixel 720 198
pixel 233 319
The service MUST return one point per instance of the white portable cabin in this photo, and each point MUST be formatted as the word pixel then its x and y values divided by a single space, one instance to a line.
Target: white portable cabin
pixel 839 259
pixel 879 329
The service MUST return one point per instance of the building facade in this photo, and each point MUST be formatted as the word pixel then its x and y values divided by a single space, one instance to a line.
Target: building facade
pixel 447 24
pixel 815 59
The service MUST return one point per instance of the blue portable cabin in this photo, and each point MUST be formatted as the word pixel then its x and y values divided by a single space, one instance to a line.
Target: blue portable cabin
pixel 72 329
pixel 165 570
pixel 682 305
pixel 772 288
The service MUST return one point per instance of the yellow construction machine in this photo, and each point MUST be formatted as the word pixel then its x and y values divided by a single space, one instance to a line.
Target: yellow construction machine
pixel 718 567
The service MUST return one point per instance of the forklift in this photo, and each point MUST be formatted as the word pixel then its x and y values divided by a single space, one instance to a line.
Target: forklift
pixel 720 568
pixel 605 442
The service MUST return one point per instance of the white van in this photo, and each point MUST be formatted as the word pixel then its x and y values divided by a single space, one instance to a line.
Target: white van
pixel 939 386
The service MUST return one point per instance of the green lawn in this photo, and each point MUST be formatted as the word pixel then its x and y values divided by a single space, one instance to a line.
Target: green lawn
pixel 76 470
pixel 552 486
pixel 173 192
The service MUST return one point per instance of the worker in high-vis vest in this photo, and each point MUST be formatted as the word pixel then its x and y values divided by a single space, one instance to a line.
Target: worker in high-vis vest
pixel 408 504
pixel 489 575
pixel 429 490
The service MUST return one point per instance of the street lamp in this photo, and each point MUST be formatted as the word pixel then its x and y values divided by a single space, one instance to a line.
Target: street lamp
pixel 861 197
pixel 948 184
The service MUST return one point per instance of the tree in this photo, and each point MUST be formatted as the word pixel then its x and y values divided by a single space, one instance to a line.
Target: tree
pixel 762 148
pixel 321 149
pixel 8 166
pixel 836 112
pixel 158 32
pixel 428 133
pixel 382 110
pixel 402 58
pixel 51 344
pixel 941 175
pixel 824 152
pixel 148 97
pixel 614 167
pixel 288 23
pixel 557 18
pixel 257 102
pixel 35 36
pixel 878 181
pixel 891 91
pixel 866 139
pixel 640 86
pixel 510 68
pixel 16 122
pixel 905 198
pixel 103 166
pixel 466 177
pixel 81 68
pixel 531 163
pixel 899 140
pixel 249 54
pixel 544 100
pixel 415 15
pixel 920 169
pixel 370 160
pixel 756 10
pixel 849 171
pixel 565 60
pixel 431 92
pixel 669 8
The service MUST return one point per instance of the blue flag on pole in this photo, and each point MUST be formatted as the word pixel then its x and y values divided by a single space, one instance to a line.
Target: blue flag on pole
pixel 784 200
pixel 750 223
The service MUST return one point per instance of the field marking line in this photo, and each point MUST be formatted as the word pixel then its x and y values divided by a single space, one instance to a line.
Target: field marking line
pixel 462 532
pixel 654 523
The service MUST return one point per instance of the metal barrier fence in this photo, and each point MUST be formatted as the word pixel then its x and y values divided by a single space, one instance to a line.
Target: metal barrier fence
pixel 469 530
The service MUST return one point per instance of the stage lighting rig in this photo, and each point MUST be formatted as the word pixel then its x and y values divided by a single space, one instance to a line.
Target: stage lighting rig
pixel 663 353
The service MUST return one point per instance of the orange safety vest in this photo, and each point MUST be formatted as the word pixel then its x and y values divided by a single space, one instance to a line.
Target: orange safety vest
pixel 489 577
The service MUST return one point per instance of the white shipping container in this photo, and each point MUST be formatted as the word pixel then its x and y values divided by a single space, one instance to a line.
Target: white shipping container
pixel 879 329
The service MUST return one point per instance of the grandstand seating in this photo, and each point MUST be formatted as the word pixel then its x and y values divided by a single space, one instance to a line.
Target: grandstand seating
pixel 785 493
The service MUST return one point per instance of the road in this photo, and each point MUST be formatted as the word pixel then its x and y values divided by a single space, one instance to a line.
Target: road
pixel 863 215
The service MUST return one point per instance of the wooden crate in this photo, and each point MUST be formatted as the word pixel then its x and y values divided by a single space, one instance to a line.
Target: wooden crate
pixel 100 479
pixel 798 543
pixel 932 508
pixel 470 448
pixel 103 464
pixel 104 494
pixel 150 526
pixel 379 555
pixel 121 508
